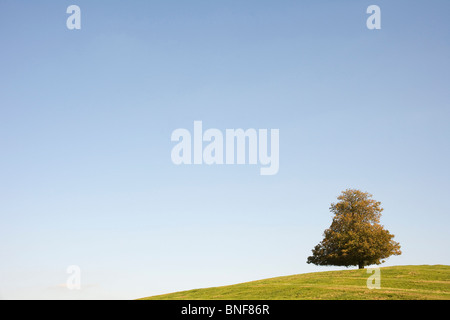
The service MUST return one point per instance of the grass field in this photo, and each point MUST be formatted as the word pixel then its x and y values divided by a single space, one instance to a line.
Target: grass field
pixel 398 283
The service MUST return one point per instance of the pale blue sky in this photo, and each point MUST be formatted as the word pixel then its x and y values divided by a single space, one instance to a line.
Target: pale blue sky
pixel 86 116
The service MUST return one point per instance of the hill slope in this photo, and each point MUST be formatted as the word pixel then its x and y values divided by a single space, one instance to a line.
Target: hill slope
pixel 399 283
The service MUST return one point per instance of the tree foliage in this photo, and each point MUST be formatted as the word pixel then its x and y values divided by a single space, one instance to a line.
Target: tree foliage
pixel 355 236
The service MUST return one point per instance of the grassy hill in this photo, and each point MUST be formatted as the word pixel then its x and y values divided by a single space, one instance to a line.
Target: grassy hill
pixel 399 283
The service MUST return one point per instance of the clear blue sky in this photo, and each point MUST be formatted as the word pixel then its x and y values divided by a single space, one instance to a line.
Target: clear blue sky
pixel 86 117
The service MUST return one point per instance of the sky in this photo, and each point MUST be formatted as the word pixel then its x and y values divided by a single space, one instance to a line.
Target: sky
pixel 86 117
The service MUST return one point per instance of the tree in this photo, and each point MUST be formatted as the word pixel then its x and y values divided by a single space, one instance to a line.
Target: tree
pixel 355 236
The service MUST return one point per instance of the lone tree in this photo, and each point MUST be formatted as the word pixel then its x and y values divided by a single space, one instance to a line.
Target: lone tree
pixel 355 236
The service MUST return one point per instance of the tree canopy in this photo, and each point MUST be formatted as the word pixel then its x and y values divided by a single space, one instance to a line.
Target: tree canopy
pixel 355 236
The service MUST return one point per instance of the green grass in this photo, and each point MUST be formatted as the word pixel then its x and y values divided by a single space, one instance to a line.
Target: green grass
pixel 397 283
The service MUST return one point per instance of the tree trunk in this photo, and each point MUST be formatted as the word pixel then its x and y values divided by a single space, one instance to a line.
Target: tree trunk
pixel 360 265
